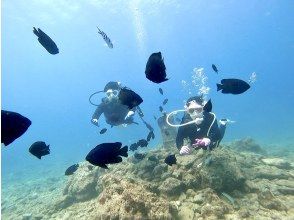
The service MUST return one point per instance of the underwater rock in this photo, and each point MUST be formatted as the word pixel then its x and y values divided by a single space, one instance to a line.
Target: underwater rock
pixel 186 161
pixel 247 144
pixel 223 174
pixel 171 186
pixel 268 200
pixel 27 216
pixel 269 172
pixel 186 212
pixel 159 170
pixel 277 162
pixel 81 186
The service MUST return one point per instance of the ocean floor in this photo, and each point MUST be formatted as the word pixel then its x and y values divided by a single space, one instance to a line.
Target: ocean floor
pixel 239 180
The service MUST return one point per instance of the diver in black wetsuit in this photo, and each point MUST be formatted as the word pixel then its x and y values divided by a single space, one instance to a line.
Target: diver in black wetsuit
pixel 199 128
pixel 115 113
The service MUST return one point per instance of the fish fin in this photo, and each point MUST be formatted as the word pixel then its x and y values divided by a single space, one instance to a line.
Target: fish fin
pixel 219 86
pixel 36 32
pixel 39 156
pixel 124 151
pixel 103 166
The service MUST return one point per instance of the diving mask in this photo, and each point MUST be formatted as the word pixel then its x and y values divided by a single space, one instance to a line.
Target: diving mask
pixel 112 94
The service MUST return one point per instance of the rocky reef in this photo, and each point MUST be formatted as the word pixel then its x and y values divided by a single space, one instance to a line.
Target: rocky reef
pixel 239 180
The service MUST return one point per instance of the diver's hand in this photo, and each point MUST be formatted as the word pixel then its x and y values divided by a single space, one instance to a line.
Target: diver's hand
pixel 95 122
pixel 204 142
pixel 130 113
pixel 185 150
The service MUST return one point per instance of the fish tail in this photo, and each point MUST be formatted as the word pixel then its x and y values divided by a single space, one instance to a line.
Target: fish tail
pixel 124 151
pixel 219 86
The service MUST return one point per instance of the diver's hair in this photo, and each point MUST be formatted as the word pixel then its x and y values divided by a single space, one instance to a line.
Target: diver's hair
pixel 199 99
pixel 112 85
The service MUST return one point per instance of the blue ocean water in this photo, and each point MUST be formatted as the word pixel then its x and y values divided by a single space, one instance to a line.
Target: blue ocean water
pixel 52 90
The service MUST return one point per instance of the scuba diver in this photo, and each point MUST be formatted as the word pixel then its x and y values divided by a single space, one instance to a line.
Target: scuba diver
pixel 114 111
pixel 198 128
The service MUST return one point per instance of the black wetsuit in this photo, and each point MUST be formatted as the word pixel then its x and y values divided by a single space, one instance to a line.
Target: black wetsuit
pixel 114 112
pixel 207 129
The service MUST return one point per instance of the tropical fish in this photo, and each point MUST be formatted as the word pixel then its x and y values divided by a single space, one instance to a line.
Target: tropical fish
pixel 46 41
pixel 139 156
pixel 164 102
pixel 170 160
pixel 13 125
pixel 233 86
pixel 160 108
pixel 71 169
pixel 134 147
pixel 103 130
pixel 142 143
pixel 214 68
pixel 160 91
pixel 129 98
pixel 39 149
pixel 107 153
pixel 155 68
pixel 150 135
pixel 105 38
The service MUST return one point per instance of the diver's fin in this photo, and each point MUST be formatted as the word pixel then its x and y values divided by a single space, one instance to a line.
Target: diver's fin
pixel 36 32
pixel 219 86
pixel 208 106
pixel 124 151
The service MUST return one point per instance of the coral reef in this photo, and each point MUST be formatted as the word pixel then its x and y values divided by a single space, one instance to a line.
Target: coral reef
pixel 221 184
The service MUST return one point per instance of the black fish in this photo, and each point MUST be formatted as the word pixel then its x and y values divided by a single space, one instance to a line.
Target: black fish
pixel 46 41
pixel 160 108
pixel 134 147
pixel 155 68
pixel 233 86
pixel 129 98
pixel 208 106
pixel 148 126
pixel 142 143
pixel 170 160
pixel 161 91
pixel 150 135
pixel 103 130
pixel 71 169
pixel 13 125
pixel 107 153
pixel 165 101
pixel 214 68
pixel 139 156
pixel 39 149
pixel 105 38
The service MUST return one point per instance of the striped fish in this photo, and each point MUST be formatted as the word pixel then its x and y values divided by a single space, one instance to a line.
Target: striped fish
pixel 106 39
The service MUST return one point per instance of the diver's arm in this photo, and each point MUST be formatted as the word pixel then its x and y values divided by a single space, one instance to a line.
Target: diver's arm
pixel 99 110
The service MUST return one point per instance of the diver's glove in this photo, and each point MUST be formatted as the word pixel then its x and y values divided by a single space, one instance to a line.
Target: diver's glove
pixel 199 143
pixel 130 114
pixel 95 121
pixel 185 150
